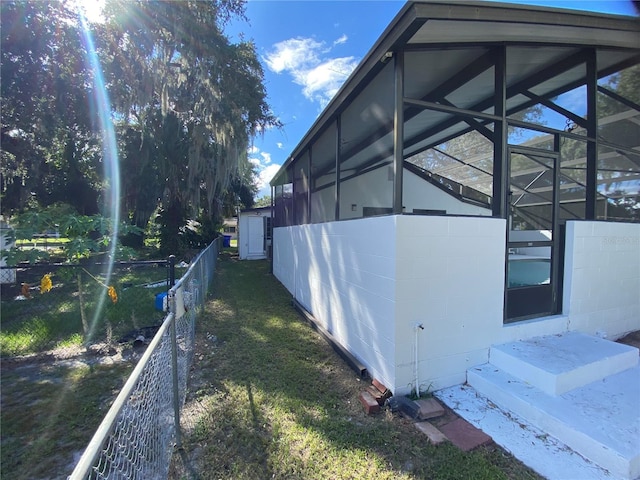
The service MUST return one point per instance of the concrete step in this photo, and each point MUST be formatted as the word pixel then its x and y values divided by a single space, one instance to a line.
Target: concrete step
pixel 557 364
pixel 600 420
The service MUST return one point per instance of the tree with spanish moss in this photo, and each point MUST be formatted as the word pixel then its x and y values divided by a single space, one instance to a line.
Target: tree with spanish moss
pixel 190 101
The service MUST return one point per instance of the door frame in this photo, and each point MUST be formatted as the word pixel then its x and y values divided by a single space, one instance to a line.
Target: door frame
pixel 520 302
pixel 258 222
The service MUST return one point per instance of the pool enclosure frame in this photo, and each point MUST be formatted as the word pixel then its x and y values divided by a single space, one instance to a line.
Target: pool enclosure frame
pixel 508 119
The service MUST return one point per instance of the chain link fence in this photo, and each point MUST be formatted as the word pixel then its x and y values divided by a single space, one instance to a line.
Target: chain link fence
pixel 137 436
pixel 44 305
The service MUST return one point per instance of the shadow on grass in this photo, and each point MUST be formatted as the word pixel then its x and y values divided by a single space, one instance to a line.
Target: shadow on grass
pixel 48 416
pixel 275 401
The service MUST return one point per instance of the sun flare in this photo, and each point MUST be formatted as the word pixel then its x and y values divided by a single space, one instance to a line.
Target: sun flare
pixel 91 9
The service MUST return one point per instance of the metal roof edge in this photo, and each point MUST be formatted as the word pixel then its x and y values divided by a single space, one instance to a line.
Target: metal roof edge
pixel 405 15
pixel 415 11
pixel 255 209
pixel 523 13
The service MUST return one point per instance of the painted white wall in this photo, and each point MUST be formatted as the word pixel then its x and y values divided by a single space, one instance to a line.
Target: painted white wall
pixel 602 277
pixel 418 193
pixel 344 274
pixel 374 189
pixel 370 281
pixel 245 233
pixel 450 278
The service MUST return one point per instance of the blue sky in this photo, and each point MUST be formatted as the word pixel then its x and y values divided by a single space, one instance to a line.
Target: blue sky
pixel 309 48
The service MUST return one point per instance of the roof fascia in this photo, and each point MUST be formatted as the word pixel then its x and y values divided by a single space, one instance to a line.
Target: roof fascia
pixel 520 13
pixel 414 15
pixel 401 28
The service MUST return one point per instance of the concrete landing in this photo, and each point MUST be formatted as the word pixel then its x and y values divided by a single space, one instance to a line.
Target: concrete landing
pixel 581 391
pixel 557 364
pixel 533 447
pixel 600 421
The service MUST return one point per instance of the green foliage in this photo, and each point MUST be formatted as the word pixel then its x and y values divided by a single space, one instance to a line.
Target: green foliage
pixel 45 321
pixel 186 101
pixel 263 201
pixel 86 235
pixel 50 149
pixel 189 101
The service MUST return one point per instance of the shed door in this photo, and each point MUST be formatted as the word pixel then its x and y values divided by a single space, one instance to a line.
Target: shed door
pixel 255 227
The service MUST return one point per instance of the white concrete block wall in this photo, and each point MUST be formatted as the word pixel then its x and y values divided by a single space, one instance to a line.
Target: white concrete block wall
pixel 344 274
pixel 372 189
pixel 450 273
pixel 602 277
pixel 370 281
pixel 283 256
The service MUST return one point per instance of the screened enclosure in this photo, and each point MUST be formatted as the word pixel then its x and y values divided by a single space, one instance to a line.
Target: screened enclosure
pixel 526 114
pixel 450 95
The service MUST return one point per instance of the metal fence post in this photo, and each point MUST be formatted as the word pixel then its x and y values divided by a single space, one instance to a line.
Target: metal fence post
pixel 174 353
pixel 129 443
pixel 172 270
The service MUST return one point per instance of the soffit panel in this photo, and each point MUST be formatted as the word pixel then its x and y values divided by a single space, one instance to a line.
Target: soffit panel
pixel 427 70
pixel 472 31
pixel 474 91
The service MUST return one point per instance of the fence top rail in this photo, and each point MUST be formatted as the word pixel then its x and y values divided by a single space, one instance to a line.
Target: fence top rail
pixel 132 263
pixel 192 266
pixel 92 451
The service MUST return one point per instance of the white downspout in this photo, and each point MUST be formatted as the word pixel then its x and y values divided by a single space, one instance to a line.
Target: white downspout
pixel 416 330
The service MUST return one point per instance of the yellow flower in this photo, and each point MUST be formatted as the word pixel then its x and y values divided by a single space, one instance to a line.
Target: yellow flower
pixel 111 291
pixel 46 284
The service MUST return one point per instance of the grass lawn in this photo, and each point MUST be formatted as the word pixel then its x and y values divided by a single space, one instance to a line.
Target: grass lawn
pixel 55 392
pixel 50 412
pixel 54 319
pixel 270 399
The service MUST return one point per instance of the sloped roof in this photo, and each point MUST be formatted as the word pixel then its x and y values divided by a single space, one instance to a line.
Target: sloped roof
pixel 443 32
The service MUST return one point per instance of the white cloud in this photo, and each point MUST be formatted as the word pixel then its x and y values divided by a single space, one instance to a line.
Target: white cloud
pixel 252 150
pixel 342 39
pixel 265 169
pixel 266 174
pixel 280 145
pixel 293 55
pixel 306 60
pixel 322 82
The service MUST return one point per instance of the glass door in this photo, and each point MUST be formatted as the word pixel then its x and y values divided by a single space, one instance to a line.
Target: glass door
pixel 533 237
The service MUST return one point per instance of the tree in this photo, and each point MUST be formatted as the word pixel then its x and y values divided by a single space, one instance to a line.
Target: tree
pixel 185 100
pixel 86 235
pixel 189 99
pixel 263 201
pixel 50 151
